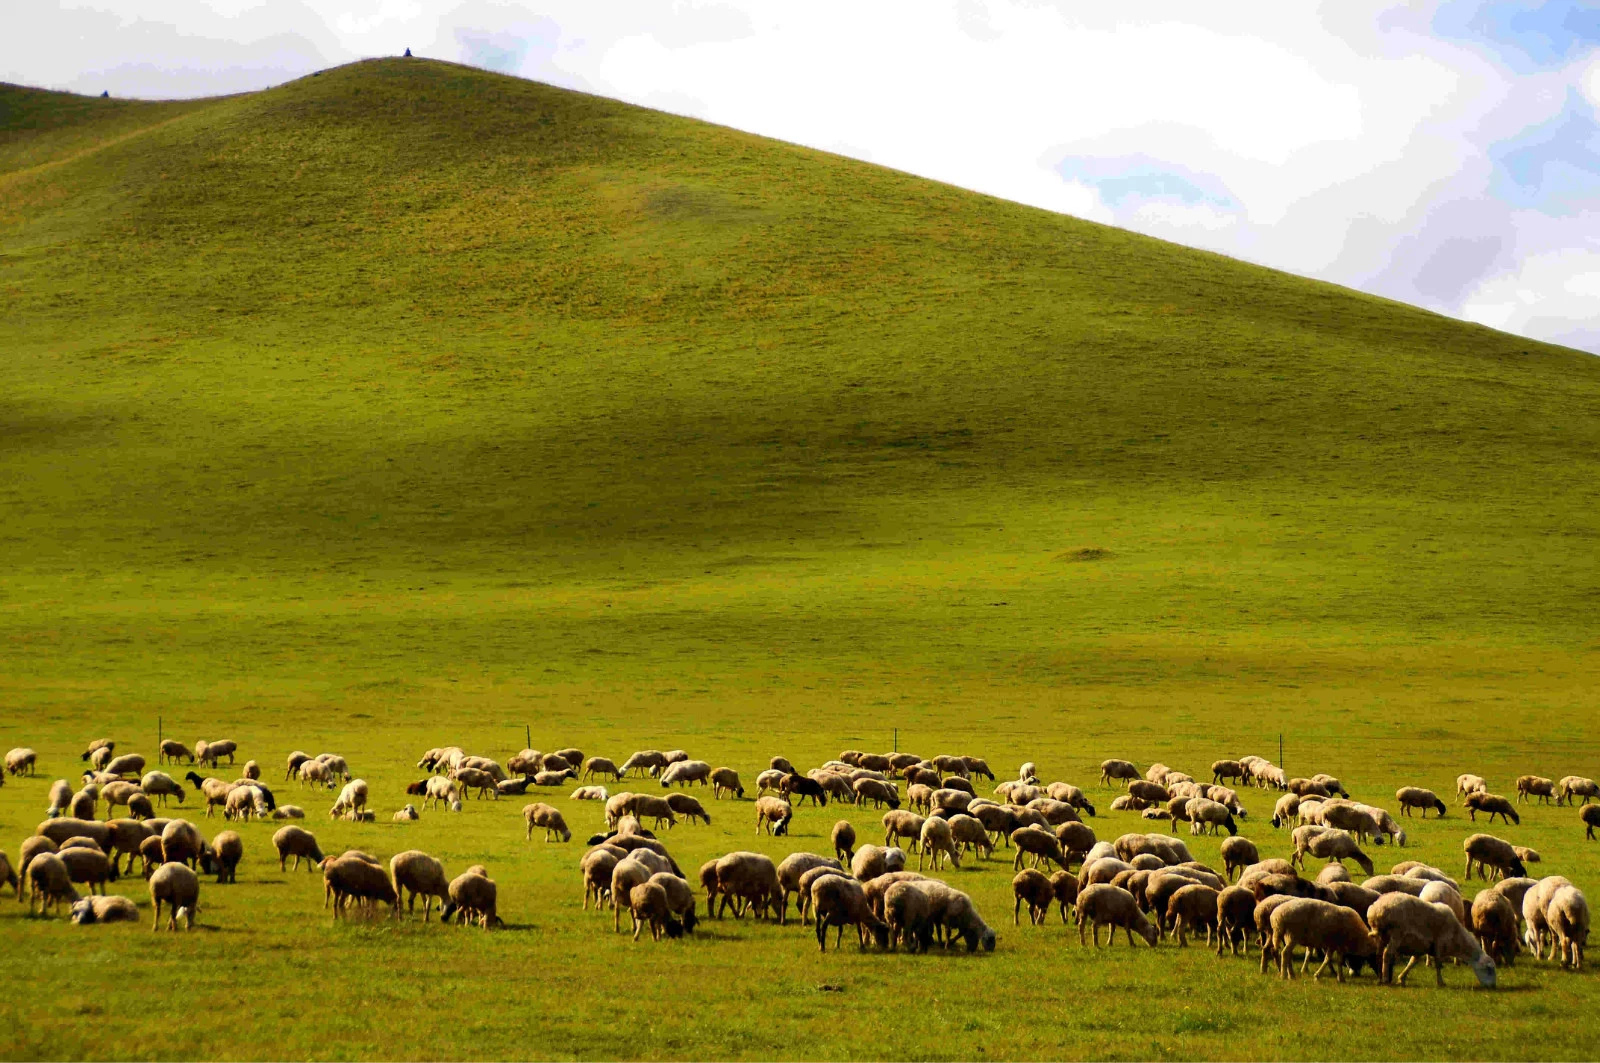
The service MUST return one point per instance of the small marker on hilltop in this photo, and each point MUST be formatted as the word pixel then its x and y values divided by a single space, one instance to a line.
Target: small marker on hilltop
pixel 408 53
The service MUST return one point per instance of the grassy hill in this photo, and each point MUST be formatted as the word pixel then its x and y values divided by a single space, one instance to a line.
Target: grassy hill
pixel 408 404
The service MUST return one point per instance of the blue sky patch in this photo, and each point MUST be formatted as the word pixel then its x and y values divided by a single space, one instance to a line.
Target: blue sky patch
pixel 1553 167
pixel 1139 177
pixel 1525 36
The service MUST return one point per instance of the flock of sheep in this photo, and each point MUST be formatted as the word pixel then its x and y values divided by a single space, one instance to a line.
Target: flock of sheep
pixel 1144 884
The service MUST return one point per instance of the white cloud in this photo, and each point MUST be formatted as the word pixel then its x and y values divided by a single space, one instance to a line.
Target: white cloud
pixel 1558 293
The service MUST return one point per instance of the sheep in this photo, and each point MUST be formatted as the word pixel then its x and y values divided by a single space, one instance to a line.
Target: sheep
pixel 212 752
pixel 1287 810
pixel 49 882
pixel 648 906
pixel 598 866
pixel 112 909
pixel 686 773
pixel 871 861
pixel 408 814
pixel 548 817
pixel 176 886
pixel 572 755
pixel 1395 884
pixel 1076 839
pixel 1334 873
pixel 1330 844
pixel 1467 784
pixel 476 897
pixel 937 841
pixel 298 843
pixel 1192 908
pixel 844 840
pixel 181 843
pixel 1204 813
pixel 1033 888
pixel 1038 843
pixel 1314 925
pixel 227 849
pixel 1494 924
pixel 1491 853
pixel 160 785
pixel 898 823
pixel 128 764
pixel 1149 792
pixel 95 746
pixel 21 761
pixel 1117 771
pixel 1105 905
pixel 1572 786
pixel 1535 906
pixel 1589 815
pixel 680 898
pixel 357 875
pixel 880 793
pixel 416 873
pixel 59 830
pixel 954 914
pixel 839 902
pixel 1410 797
pixel 1531 786
pixel 1237 854
pixel 1513 890
pixel 908 914
pixel 969 834
pixel 338 768
pixel 90 867
pixel 748 881
pixel 1567 915
pixel 1493 804
pixel 794 866
pixel 543 778
pixel 439 788
pixel 315 773
pixel 645 762
pixel 599 766
pixel 468 779
pixel 978 766
pixel 1409 926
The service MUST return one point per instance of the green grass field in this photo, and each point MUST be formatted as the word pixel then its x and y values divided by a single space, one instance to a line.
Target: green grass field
pixel 409 404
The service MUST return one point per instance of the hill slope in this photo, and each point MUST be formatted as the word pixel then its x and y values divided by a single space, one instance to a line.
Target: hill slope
pixel 409 404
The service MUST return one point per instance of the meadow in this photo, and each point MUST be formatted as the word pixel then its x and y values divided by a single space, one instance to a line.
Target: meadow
pixel 408 404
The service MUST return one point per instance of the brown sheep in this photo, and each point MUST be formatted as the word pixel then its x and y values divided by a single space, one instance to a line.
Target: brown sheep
pixel 49 882
pixel 1531 786
pixel 908 913
pixel 227 849
pixel 1589 815
pixel 1410 797
pixel 1337 932
pixel 1235 917
pixel 597 866
pixel 1494 805
pixel 648 905
pixel 548 817
pixel 1192 908
pixel 844 840
pixel 298 843
pixel 416 873
pixel 1034 889
pixel 1494 923
pixel 1038 843
pixel 839 902
pixel 474 898
pixel 872 861
pixel 789 873
pixel 1104 905
pixel 1238 853
pixel 1490 853
pixel 689 808
pixel 601 766
pixel 749 881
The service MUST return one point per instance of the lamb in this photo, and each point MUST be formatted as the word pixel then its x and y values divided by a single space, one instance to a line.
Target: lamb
pixel 1493 804
pixel 1531 786
pixel 178 888
pixel 872 861
pixel 1117 770
pixel 1572 786
pixel 1411 797
pixel 1494 923
pixel 837 901
pixel 1105 905
pixel 1334 930
pixel 773 815
pixel 1491 853
pixel 475 896
pixel 21 761
pixel 1567 915
pixel 748 880
pixel 408 814
pixel 898 823
pixel 1409 926
pixel 938 842
pixel 1589 815
pixel 298 843
pixel 790 871
pixel 547 817
pixel 844 839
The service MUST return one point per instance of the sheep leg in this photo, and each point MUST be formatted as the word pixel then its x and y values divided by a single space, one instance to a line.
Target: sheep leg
pixel 1407 970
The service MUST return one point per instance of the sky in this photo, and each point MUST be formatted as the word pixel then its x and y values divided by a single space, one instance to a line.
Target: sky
pixel 1441 152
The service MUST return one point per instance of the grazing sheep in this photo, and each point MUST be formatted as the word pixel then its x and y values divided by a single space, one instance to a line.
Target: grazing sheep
pixel 908 914
pixel 680 898
pixel 1034 889
pixel 315 773
pixel 871 861
pixel 49 882
pixel 1513 890
pixel 1128 803
pixel 1151 792
pixel 1193 908
pixel 898 823
pixel 416 873
pixel 1441 893
pixel 1403 925
pixel 1567 915
pixel 1395 884
pixel 937 841
pixel 1105 905
pixel 1589 815
pixel 21 761
pixel 599 866
pixel 648 906
pixel 1411 797
pixel 1334 930
pixel 877 791
pixel 805 786
pixel 1334 873
pixel 749 881
pixel 439 789
pixel 549 818
pixel 1330 844
pixel 1076 839
pixel 360 877
pixel 839 902
pixel 181 843
pixel 1238 854
pixel 773 815
pixel 1235 917
pixel 688 807
pixel 468 779
pixel 1287 810
pixel 1531 786
pixel 1117 771
pixel 1535 907
pixel 969 834
pixel 298 843
pixel 1491 853
pixel 474 898
pixel 90 867
pixel 1493 804
pixel 645 762
pixel 726 781
pixel 600 766
pixel 212 752
pixel 227 849
pixel 95 746
pixel 160 785
pixel 793 868
pixel 1038 843
pixel 1467 784
pixel 1572 786
pixel 1494 923
pixel 176 886
pixel 686 773
pixel 1206 816
pixel 844 840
